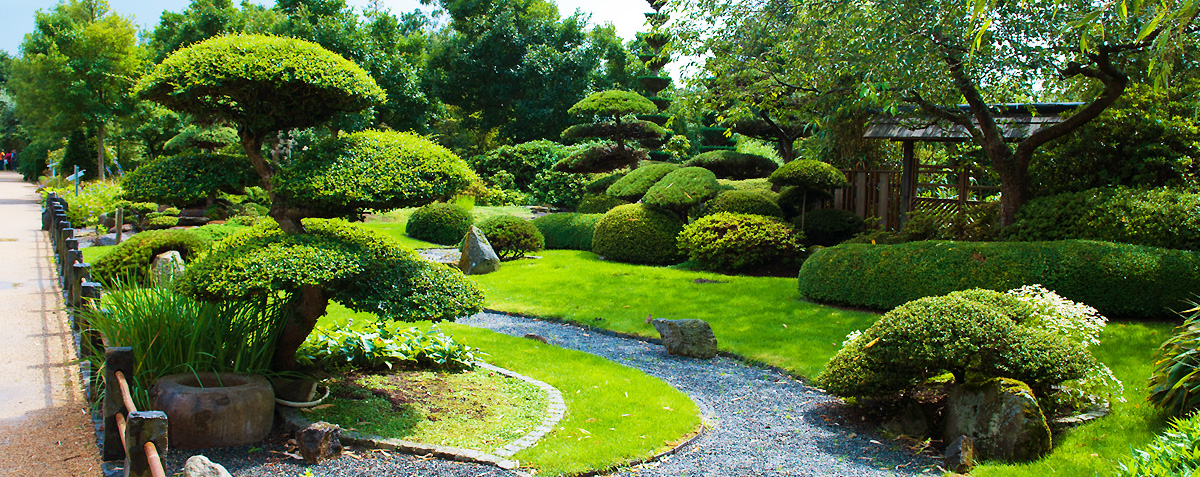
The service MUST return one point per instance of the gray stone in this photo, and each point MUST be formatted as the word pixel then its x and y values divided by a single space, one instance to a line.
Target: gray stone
pixel 960 456
pixel 691 338
pixel 200 466
pixel 1002 416
pixel 166 267
pixel 536 337
pixel 192 221
pixel 478 257
pixel 319 442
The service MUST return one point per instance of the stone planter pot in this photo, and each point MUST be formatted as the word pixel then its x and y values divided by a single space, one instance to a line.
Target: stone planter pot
pixel 214 410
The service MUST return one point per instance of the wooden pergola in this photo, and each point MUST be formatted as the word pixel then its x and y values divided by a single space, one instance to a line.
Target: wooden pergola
pixel 1016 120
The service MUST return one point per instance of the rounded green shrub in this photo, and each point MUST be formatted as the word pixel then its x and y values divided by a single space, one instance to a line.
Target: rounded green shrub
pixel 440 223
pixel 971 333
pixel 636 233
pixel 131 259
pixel 809 174
pixel 1158 218
pixel 203 137
pixel 682 189
pixel 1119 280
pixel 734 165
pixel 188 179
pixel 598 203
pixel 382 170
pixel 731 242
pixel 162 222
pixel 601 183
pixel 613 103
pixel 511 237
pixel 744 202
pixel 831 226
pixel 568 231
pixel 637 182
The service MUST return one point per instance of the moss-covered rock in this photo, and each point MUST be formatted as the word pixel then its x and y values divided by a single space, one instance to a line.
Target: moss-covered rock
pixel 1002 416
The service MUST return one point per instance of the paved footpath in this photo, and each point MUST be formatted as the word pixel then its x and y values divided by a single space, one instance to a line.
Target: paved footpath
pixel 44 427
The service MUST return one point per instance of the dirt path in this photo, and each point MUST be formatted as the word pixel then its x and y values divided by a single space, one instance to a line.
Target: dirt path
pixel 44 427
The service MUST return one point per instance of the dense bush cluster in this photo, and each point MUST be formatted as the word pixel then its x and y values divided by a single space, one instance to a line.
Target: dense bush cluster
pixel 975 333
pixel 523 162
pixel 440 223
pixel 1120 280
pixel 559 189
pixel 511 237
pixel 1158 217
pixel 831 226
pixel 731 242
pixel 734 165
pixel 637 182
pixel 131 259
pixel 188 179
pixel 569 231
pixel 636 233
pixel 598 203
pixel 744 202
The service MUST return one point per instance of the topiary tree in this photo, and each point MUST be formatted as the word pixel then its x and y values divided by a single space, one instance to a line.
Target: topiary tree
pixel 632 186
pixel 611 105
pixel 808 175
pixel 188 179
pixel 734 165
pixel 263 85
pixel 205 138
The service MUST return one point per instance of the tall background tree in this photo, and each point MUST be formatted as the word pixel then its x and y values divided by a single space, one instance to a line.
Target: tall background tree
pixel 75 71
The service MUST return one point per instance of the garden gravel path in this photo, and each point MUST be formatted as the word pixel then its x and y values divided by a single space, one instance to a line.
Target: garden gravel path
pixel 763 422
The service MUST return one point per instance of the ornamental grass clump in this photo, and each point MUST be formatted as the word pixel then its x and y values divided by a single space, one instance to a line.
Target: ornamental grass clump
pixel 1175 383
pixel 732 242
pixel 511 237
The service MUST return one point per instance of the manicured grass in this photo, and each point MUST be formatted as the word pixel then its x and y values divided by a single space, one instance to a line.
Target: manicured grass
pixel 1095 449
pixel 93 253
pixel 476 409
pixel 761 318
pixel 615 414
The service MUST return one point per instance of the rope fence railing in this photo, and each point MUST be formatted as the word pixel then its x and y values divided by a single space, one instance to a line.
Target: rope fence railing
pixel 137 437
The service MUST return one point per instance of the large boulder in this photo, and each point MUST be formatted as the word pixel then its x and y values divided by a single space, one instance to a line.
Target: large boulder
pixel 478 257
pixel 1002 416
pixel 691 338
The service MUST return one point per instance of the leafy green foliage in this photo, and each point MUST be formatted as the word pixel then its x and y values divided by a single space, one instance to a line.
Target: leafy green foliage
pixel 600 156
pixel 1175 384
pixel 730 242
pixel 1172 454
pixel 523 162
pixel 250 79
pixel 613 103
pixel 188 179
pixel 632 186
pixel 511 237
pixel 559 189
pixel 161 222
pixel 378 170
pixel 210 137
pixel 1119 280
pixel 172 333
pixel 975 334
pixel 571 231
pixel 130 261
pixel 79 154
pixel 635 130
pixel 388 346
pixel 831 226
pixel 977 223
pixel 94 199
pixel 601 183
pixel 810 175
pixel 682 189
pixel 636 233
pixel 1158 217
pixel 358 268
pixel 744 202
pixel 440 223
pixel 598 204
pixel 734 165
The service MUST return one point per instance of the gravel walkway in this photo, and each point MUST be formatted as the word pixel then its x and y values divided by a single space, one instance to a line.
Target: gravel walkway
pixel 763 423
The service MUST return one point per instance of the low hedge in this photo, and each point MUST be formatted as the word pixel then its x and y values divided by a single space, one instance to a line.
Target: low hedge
pixel 1157 218
pixel 568 231
pixel 131 259
pixel 1119 280
pixel 636 233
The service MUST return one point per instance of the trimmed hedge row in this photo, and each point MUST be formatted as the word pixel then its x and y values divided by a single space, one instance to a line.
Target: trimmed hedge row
pixel 1119 280
pixel 568 231
pixel 1157 218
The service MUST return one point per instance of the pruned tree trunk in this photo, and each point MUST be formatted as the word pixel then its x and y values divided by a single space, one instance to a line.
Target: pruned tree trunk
pixel 252 143
pixel 310 307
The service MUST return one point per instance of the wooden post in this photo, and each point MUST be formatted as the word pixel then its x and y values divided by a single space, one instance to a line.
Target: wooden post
pixel 120 223
pixel 67 236
pixel 90 339
pixel 883 195
pixel 115 359
pixel 860 193
pixel 143 427
pixel 81 272
pixel 71 285
pixel 908 180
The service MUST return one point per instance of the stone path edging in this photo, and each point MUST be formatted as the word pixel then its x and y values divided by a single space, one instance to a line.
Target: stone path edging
pixel 555 409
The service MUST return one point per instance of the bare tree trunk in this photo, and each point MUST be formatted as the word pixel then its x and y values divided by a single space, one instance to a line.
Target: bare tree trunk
pixel 100 151
pixel 309 308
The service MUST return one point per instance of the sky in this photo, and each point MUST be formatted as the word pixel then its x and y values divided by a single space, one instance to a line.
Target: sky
pixel 16 16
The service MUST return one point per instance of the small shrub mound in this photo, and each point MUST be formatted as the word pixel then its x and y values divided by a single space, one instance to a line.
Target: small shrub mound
pixel 511 237
pixel 744 202
pixel 131 259
pixel 161 222
pixel 601 183
pixel 734 165
pixel 1157 218
pixel 682 189
pixel 598 203
pixel 731 242
pixel 971 332
pixel 569 231
pixel 637 182
pixel 831 226
pixel 1119 280
pixel 636 233
pixel 440 223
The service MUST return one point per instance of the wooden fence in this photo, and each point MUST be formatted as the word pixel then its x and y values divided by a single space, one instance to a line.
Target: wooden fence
pixel 943 190
pixel 138 437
